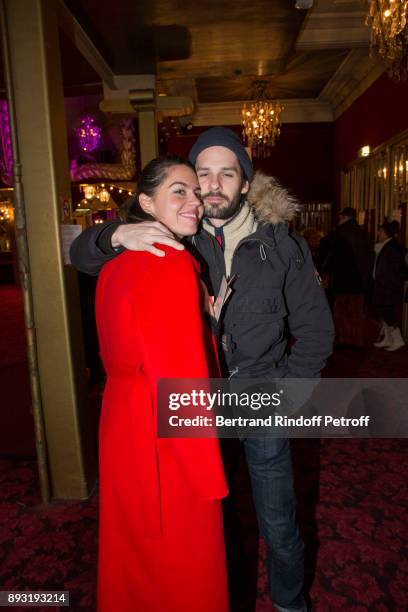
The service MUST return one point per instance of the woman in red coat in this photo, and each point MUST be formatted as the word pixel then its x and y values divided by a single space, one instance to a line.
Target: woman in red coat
pixel 161 543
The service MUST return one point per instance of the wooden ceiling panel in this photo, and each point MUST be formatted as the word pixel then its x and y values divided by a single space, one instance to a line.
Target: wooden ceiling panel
pixel 134 36
pixel 225 68
pixel 214 49
pixel 304 77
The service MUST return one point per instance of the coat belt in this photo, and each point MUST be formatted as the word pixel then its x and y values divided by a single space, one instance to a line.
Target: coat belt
pixel 120 369
pixel 145 442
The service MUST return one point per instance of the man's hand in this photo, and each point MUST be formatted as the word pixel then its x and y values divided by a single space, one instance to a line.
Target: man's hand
pixel 142 236
pixel 208 300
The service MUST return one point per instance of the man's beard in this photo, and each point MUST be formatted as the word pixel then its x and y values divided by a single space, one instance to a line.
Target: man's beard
pixel 221 211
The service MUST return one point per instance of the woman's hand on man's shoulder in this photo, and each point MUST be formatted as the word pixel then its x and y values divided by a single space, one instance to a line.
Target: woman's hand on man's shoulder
pixel 143 236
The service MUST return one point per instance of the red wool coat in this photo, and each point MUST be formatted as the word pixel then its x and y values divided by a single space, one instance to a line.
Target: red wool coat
pixel 161 544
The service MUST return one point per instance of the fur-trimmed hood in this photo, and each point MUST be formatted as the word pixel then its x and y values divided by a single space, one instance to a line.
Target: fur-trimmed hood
pixel 270 202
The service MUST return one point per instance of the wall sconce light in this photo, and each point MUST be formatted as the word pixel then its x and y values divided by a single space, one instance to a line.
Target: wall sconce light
pixel 364 151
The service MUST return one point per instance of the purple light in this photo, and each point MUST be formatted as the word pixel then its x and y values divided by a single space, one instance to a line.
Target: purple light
pixel 89 134
pixel 6 156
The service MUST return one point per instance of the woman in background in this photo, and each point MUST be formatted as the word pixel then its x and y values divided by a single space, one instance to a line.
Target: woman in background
pixel 388 281
pixel 161 535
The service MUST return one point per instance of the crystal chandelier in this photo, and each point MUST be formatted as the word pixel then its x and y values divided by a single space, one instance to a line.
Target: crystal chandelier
pixel 389 33
pixel 89 134
pixel 261 121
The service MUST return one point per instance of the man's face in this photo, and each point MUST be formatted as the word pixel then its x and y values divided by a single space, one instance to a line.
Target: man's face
pixel 221 182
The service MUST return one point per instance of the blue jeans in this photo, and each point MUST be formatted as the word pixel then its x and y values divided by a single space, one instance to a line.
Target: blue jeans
pixel 270 468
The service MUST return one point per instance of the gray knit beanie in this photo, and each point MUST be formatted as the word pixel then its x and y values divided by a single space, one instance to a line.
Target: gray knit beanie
pixel 222 137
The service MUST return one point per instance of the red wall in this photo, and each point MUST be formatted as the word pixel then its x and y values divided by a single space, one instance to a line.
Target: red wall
pixel 302 159
pixel 377 115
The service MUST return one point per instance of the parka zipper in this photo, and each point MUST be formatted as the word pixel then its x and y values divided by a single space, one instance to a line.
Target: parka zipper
pixel 216 245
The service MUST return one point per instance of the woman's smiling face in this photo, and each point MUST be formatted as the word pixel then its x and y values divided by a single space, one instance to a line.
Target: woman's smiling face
pixel 177 201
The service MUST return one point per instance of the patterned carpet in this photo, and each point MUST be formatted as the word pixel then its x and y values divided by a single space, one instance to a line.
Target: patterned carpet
pixel 352 505
pixel 48 548
pixel 352 499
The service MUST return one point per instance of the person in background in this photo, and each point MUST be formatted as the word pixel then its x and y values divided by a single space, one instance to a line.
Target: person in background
pixel 349 263
pixel 161 540
pixel 313 237
pixel 388 276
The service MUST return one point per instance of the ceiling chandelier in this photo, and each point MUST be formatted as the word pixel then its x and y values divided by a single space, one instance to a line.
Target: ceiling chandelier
pixel 389 33
pixel 261 121
pixel 88 134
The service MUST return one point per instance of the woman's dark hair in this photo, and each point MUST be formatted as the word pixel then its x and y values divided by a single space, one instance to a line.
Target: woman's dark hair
pixel 151 178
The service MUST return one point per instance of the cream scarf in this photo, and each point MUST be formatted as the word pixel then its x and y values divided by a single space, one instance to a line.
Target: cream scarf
pixel 235 229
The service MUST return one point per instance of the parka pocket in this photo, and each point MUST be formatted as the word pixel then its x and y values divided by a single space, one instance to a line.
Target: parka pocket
pixel 260 304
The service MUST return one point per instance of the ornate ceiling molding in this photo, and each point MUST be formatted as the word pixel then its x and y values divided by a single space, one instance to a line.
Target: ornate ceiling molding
pixel 334 31
pixel 354 76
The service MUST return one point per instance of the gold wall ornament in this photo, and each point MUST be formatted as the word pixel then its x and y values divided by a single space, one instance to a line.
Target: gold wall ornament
pixel 261 121
pixel 388 20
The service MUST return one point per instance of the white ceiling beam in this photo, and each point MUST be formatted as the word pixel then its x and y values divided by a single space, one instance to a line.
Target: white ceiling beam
pixel 83 43
pixel 133 92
